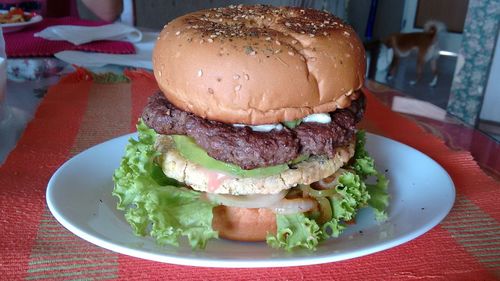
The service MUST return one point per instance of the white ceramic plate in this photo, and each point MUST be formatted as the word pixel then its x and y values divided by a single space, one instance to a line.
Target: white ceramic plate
pixel 15 26
pixel 79 197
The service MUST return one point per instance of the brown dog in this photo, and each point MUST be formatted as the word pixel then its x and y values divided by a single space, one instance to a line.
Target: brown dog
pixel 424 43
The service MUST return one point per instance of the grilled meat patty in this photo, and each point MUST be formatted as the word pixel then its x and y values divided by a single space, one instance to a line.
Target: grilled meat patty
pixel 250 149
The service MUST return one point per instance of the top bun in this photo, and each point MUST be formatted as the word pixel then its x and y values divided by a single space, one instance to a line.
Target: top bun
pixel 258 64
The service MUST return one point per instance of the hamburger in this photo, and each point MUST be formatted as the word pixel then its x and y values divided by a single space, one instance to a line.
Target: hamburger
pixel 252 136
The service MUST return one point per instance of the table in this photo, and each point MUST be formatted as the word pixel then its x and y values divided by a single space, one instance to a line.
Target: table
pixel 83 109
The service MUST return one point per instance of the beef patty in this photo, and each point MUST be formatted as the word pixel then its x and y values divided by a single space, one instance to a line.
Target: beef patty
pixel 250 149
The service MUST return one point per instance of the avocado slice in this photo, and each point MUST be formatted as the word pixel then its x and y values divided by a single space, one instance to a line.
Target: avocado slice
pixel 188 148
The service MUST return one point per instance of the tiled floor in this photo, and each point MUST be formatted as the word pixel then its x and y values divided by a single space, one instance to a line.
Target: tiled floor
pixel 437 95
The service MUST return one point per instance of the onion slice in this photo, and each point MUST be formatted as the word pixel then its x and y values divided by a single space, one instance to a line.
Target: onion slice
pixel 293 206
pixel 309 191
pixel 325 210
pixel 247 201
pixel 331 181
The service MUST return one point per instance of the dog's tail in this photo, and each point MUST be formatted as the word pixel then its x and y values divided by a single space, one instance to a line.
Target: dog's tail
pixel 434 26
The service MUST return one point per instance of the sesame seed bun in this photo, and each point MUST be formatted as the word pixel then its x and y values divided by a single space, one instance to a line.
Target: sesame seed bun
pixel 258 64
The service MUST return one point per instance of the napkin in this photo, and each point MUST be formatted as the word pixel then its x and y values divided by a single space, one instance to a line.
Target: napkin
pixel 90 60
pixel 84 34
pixel 142 57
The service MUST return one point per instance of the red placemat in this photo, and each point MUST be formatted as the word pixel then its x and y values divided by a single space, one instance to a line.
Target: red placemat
pixel 83 110
pixel 24 44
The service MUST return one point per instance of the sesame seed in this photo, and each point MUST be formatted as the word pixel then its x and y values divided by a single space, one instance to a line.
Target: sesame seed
pixel 325 33
pixel 246 77
pixel 236 77
pixel 268 38
pixel 210 40
pixel 278 43
pixel 237 88
pixel 311 35
pixel 159 73
pixel 294 41
pixel 347 33
pixel 213 36
pixel 200 72
pixel 288 24
pixel 277 51
pixel 253 53
pixel 177 33
pixel 202 41
pixel 249 50
pixel 291 53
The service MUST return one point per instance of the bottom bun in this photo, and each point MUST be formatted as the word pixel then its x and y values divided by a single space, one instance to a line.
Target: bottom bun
pixel 243 224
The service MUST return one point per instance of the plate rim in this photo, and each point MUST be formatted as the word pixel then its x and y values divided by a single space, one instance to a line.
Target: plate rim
pixel 230 263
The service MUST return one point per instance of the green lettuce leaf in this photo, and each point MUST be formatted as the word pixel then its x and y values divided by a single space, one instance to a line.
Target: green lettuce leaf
pixel 379 197
pixel 155 204
pixel 299 231
pixel 365 167
pixel 295 231
pixel 352 193
pixel 292 124
pixel 353 196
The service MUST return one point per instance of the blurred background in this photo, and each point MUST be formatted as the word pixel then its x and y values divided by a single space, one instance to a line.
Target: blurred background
pixel 468 62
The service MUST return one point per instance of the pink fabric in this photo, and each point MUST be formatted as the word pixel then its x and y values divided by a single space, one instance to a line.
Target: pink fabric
pixel 24 44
